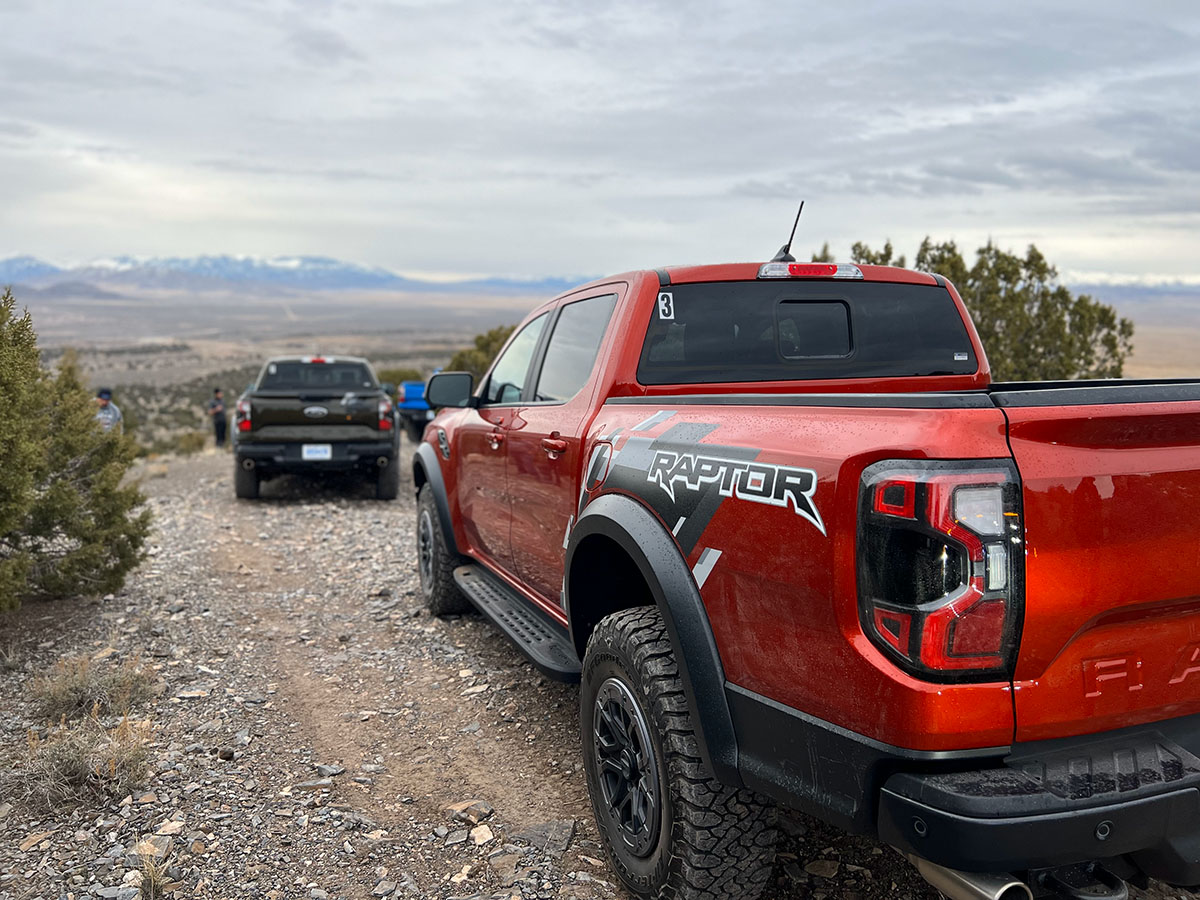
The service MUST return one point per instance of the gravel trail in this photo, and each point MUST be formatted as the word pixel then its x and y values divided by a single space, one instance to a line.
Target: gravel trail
pixel 316 734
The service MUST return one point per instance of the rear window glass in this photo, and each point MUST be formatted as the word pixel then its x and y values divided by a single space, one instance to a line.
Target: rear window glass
pixel 299 376
pixel 784 331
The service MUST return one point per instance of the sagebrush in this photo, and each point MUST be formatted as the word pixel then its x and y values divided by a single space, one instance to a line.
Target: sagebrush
pixel 86 761
pixel 82 686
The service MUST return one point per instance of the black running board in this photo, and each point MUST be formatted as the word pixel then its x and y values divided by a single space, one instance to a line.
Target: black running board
pixel 545 642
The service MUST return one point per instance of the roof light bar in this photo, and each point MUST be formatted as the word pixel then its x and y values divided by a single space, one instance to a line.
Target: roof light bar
pixel 808 270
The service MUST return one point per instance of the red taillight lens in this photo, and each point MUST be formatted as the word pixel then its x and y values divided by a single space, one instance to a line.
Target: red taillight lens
pixel 242 415
pixel 385 415
pixel 809 270
pixel 940 566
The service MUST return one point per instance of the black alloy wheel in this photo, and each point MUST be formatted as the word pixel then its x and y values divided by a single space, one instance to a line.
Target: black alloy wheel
pixel 435 561
pixel 628 773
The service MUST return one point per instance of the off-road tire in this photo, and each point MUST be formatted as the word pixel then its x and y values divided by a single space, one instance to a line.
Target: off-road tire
pixel 387 481
pixel 245 482
pixel 713 842
pixel 436 571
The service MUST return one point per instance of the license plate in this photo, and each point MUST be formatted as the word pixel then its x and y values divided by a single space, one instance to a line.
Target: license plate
pixel 316 452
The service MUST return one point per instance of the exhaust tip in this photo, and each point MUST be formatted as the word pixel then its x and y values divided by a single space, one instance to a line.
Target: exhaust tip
pixel 382 462
pixel 247 464
pixel 971 885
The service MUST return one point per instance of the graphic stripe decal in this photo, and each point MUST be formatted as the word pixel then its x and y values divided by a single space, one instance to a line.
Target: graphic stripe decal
pixel 704 565
pixel 646 424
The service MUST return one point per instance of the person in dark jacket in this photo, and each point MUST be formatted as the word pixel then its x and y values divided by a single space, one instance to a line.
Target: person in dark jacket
pixel 216 409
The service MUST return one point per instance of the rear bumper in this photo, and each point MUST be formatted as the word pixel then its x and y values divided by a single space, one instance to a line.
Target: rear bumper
pixel 1131 794
pixel 288 456
pixel 1159 834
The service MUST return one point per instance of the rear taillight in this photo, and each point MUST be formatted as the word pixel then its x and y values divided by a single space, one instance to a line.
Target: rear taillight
pixel 243 415
pixel 941 566
pixel 385 414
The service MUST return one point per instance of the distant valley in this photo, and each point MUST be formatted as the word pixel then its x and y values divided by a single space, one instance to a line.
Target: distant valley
pixel 126 300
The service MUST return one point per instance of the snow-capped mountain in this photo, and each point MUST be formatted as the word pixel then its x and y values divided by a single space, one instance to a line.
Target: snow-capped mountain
pixel 24 269
pixel 215 272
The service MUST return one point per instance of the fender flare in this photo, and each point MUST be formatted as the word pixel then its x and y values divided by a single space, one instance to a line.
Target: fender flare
pixel 642 536
pixel 426 470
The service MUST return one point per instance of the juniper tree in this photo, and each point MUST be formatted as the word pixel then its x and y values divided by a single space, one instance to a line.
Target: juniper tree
pixel 68 523
pixel 1032 327
pixel 478 359
pixel 22 441
pixel 86 531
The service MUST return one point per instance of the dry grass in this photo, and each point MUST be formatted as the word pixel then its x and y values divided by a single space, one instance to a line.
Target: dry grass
pixel 84 761
pixel 80 686
pixel 10 657
pixel 155 881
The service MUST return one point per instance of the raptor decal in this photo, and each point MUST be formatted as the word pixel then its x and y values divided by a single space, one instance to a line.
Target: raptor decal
pixel 744 479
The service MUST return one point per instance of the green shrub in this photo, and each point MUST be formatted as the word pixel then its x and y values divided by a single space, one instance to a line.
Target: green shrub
pixel 68 525
pixel 396 376
pixel 22 441
pixel 478 359
pixel 190 442
pixel 81 686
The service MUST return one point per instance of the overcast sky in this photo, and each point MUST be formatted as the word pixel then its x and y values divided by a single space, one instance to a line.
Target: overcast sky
pixel 499 137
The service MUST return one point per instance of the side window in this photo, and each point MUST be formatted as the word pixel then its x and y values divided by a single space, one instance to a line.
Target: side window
pixel 574 344
pixel 508 375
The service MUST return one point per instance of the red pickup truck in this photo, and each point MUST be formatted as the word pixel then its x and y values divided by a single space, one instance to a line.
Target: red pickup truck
pixel 801 551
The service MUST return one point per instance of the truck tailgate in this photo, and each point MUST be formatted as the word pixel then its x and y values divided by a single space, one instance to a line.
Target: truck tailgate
pixel 312 416
pixel 1111 492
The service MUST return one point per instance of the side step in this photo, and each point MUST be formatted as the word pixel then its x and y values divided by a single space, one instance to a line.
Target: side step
pixel 544 641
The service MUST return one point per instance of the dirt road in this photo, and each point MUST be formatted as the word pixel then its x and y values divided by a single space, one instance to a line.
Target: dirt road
pixel 314 725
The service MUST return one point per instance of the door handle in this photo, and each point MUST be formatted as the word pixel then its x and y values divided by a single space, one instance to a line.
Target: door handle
pixel 496 438
pixel 554 445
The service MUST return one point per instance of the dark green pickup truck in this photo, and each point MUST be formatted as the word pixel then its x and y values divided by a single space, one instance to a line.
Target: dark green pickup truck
pixel 316 414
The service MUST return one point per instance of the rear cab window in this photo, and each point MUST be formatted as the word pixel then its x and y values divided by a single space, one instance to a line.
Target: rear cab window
pixel 297 375
pixel 745 331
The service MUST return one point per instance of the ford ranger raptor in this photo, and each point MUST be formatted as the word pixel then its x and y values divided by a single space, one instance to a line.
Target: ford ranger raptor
pixel 801 551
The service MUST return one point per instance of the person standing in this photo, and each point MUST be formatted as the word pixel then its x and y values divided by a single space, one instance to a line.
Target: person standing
pixel 216 409
pixel 108 415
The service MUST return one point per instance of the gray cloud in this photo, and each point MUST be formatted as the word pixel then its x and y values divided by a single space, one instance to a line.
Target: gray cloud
pixel 322 46
pixel 594 137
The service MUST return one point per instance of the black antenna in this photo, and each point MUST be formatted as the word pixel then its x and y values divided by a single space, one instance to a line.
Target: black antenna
pixel 785 252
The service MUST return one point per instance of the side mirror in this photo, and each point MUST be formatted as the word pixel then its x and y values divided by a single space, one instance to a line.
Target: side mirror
pixel 388 388
pixel 453 389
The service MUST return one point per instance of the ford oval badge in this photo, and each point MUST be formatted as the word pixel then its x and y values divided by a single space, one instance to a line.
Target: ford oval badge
pixel 315 412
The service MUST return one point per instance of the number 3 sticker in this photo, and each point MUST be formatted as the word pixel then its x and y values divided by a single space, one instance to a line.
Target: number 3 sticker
pixel 666 306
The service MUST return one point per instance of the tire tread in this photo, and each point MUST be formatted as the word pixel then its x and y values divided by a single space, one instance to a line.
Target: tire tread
pixel 723 839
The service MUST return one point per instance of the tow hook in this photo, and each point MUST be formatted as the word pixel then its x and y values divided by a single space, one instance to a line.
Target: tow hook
pixel 1084 881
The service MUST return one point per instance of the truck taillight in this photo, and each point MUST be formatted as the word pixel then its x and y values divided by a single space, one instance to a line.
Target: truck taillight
pixel 941 566
pixel 385 415
pixel 243 415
